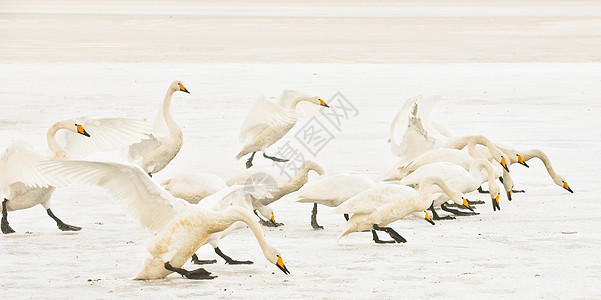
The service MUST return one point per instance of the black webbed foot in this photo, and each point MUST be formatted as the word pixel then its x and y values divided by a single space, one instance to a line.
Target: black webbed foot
pixel 229 260
pixel 199 273
pixel 197 261
pixel 457 212
pixel 393 234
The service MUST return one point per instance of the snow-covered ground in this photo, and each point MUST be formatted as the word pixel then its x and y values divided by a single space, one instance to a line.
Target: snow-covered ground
pixel 544 243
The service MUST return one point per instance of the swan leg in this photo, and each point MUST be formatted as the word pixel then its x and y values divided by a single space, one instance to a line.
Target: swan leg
pixel 249 162
pixel 194 274
pixel 456 211
pixel 393 234
pixel 197 261
pixel 61 225
pixel 275 158
pixel 6 229
pixel 346 216
pixel 482 191
pixel 378 240
pixel 435 215
pixel 314 218
pixel 229 260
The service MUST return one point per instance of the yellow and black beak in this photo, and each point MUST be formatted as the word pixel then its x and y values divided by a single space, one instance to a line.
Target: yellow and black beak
pixel 322 103
pixel 509 194
pixel 522 162
pixel 280 265
pixel 495 203
pixel 81 130
pixel 272 218
pixel 427 217
pixel 567 187
pixel 183 88
pixel 466 204
pixel 504 163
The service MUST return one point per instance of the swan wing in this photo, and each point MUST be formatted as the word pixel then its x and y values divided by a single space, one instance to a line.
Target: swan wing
pixel 334 188
pixel 399 124
pixel 19 164
pixel 106 134
pixel 265 114
pixel 147 203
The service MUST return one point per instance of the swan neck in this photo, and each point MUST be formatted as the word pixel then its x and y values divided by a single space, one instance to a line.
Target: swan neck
pixel 58 151
pixel 484 141
pixel 543 157
pixel 302 176
pixel 240 214
pixel 459 142
pixel 297 101
pixel 476 170
pixel 174 129
pixel 425 187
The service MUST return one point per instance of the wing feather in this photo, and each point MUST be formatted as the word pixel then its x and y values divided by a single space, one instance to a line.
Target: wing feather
pixel 265 114
pixel 147 203
pixel 106 134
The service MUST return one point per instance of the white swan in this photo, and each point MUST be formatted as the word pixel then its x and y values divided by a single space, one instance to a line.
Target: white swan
pixel 193 187
pixel 154 153
pixel 281 185
pixel 522 157
pixel 332 190
pixel 267 122
pixel 458 178
pixel 22 183
pixel 182 227
pixel 385 203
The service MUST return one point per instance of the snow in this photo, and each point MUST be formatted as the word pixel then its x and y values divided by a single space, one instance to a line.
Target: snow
pixel 542 93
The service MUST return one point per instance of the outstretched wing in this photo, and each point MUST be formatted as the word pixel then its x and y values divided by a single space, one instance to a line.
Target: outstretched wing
pixel 264 114
pixel 19 164
pixel 147 203
pixel 399 124
pixel 105 135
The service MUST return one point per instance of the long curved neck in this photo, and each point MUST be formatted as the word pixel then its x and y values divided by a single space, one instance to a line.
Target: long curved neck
pixel 425 186
pixel 234 214
pixel 297 101
pixel 529 154
pixel 484 141
pixel 58 151
pixel 477 166
pixel 302 176
pixel 174 129
pixel 459 142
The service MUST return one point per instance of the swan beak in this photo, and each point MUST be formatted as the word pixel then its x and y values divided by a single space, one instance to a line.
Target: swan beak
pixel 322 103
pixel 495 203
pixel 466 204
pixel 504 163
pixel 280 265
pixel 81 130
pixel 272 218
pixel 428 218
pixel 522 162
pixel 183 88
pixel 509 194
pixel 567 187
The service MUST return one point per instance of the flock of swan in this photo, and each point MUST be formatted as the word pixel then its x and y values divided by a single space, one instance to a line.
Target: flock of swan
pixel 433 169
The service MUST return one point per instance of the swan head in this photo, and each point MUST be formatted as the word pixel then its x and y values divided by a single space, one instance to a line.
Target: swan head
pixel 427 218
pixel 79 129
pixel 267 212
pixel 273 255
pixel 315 100
pixel 504 163
pixel 522 161
pixel 178 86
pixel 495 192
pixel 562 183
pixel 459 198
